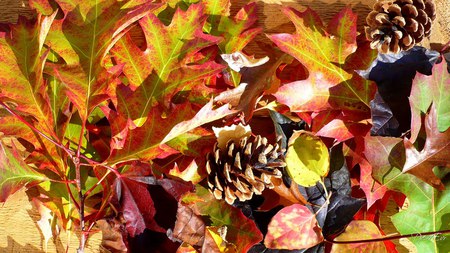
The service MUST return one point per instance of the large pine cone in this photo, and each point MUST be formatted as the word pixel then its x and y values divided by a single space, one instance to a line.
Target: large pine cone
pixel 400 24
pixel 244 168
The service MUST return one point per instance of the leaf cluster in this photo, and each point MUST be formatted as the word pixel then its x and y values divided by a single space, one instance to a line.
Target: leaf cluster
pixel 107 111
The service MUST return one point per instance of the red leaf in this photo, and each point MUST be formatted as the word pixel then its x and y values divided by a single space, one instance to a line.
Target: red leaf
pixel 372 189
pixel 137 206
pixel 293 227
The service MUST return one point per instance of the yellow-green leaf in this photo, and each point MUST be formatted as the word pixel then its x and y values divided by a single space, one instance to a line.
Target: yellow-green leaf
pixel 307 158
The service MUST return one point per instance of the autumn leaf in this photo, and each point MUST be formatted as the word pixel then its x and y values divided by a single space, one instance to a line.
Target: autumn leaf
pixel 359 230
pixel 84 45
pixel 189 227
pixel 205 115
pixel 427 206
pixel 354 154
pixel 427 89
pixel 237 31
pixel 307 158
pixel 164 68
pixel 14 172
pixel 329 86
pixel 145 142
pixel 435 152
pixel 241 231
pixel 22 61
pixel 293 227
pixel 137 206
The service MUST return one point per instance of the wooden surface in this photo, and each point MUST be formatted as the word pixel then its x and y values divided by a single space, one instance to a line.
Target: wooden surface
pixel 19 232
pixel 18 229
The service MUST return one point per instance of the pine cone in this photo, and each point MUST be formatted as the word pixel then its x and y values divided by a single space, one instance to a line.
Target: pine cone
pixel 400 24
pixel 244 168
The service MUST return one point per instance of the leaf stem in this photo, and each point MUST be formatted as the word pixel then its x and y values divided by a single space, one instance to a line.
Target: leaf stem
pixel 388 238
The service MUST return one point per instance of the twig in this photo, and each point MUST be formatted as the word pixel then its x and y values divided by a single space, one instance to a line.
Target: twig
pixel 388 238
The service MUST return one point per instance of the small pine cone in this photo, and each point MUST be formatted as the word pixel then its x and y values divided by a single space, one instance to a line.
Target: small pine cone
pixel 243 169
pixel 399 24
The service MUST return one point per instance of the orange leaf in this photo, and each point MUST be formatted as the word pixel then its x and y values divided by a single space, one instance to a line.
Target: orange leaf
pixel 293 227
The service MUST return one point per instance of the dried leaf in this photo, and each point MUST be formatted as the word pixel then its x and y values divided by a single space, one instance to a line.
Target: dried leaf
pixel 189 227
pixel 238 60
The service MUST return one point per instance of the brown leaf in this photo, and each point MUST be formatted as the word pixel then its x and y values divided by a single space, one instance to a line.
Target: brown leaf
pixel 189 227
pixel 436 152
pixel 282 195
pixel 215 241
pixel 112 235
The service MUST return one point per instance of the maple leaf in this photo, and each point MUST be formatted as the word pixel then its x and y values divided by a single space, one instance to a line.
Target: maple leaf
pixel 293 227
pixel 358 230
pixel 22 60
pixel 164 68
pixel 14 172
pixel 83 46
pixel 329 86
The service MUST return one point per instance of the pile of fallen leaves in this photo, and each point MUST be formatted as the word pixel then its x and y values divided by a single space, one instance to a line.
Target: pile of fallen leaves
pixel 107 131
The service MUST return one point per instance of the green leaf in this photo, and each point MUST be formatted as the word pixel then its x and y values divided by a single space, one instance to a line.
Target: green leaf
pixel 428 207
pixel 14 172
pixel 307 159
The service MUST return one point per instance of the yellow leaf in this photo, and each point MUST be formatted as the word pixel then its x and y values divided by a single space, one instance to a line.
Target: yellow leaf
pixel 307 158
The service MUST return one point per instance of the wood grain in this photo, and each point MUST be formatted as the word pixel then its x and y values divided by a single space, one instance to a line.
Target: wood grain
pixel 18 229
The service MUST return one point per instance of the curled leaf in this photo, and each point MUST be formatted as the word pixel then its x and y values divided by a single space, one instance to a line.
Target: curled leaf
pixel 238 60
